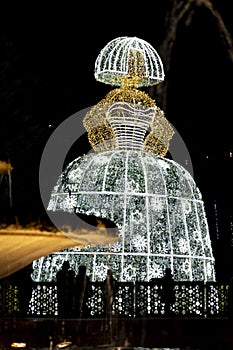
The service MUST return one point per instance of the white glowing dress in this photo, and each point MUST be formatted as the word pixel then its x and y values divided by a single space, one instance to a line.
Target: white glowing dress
pixel 153 201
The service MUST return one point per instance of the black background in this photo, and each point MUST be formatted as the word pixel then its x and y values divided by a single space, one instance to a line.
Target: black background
pixel 47 57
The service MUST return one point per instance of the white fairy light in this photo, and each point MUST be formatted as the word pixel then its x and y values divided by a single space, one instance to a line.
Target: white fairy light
pixel 153 201
pixel 129 55
pixel 172 241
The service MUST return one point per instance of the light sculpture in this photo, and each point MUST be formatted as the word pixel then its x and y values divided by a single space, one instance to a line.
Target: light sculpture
pixel 153 201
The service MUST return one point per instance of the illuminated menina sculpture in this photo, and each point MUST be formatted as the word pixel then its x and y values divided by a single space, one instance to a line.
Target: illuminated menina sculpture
pixel 153 201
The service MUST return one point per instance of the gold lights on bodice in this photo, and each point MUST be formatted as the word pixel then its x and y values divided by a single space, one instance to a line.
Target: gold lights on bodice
pixel 128 117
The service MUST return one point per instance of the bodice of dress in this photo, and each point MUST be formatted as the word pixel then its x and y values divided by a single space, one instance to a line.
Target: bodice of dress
pixel 130 124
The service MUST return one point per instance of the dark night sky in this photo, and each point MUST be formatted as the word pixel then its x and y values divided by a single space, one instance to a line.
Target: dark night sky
pixel 47 74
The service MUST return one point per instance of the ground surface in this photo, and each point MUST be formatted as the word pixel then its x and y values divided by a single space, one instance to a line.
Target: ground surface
pixel 20 246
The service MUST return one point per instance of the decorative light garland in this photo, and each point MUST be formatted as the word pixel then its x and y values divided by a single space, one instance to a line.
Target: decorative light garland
pixel 129 56
pixel 152 200
pixel 130 104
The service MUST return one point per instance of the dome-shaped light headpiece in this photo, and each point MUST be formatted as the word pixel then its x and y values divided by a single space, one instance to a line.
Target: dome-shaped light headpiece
pixel 129 56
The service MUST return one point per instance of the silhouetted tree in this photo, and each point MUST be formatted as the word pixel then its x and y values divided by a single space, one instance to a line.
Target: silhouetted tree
pixel 183 11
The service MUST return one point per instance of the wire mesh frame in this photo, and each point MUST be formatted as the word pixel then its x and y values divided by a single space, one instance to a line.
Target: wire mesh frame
pixel 118 57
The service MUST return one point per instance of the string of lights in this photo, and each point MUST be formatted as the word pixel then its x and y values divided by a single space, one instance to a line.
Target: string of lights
pixel 153 201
